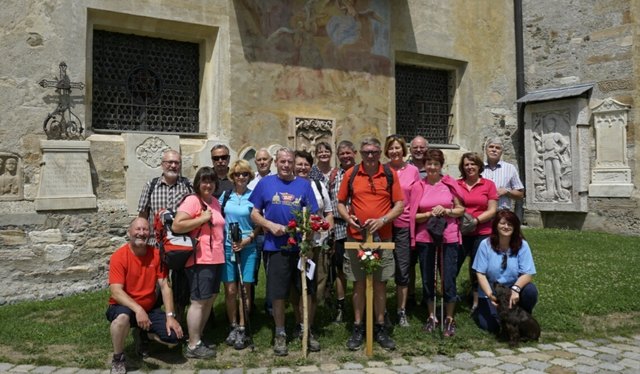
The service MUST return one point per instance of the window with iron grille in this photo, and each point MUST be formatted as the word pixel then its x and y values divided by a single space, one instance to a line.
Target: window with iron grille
pixel 423 103
pixel 144 84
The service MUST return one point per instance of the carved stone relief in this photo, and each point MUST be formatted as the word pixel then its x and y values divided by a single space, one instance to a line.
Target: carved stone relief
pixel 150 151
pixel 10 177
pixel 552 165
pixel 311 131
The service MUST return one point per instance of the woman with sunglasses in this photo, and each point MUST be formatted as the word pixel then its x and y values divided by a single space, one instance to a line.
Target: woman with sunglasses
pixel 504 257
pixel 395 148
pixel 237 212
pixel 199 214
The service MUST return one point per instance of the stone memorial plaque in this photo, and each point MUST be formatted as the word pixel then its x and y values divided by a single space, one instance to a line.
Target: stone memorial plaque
pixel 143 159
pixel 65 179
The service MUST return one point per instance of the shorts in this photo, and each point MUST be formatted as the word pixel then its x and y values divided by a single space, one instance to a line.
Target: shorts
pixel 355 273
pixel 204 280
pixel 402 255
pixel 157 317
pixel 248 262
pixel 283 273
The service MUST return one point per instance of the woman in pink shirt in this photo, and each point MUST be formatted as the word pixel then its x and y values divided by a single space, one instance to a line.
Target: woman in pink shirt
pixel 395 148
pixel 437 196
pixel 200 215
pixel 481 201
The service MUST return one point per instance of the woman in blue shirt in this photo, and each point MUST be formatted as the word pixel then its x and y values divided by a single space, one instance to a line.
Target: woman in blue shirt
pixel 504 257
pixel 237 210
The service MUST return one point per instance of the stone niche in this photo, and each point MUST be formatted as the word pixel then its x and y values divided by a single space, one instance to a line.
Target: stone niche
pixel 611 175
pixel 306 133
pixel 557 154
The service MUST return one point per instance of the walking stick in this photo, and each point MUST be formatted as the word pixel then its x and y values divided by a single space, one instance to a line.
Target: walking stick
pixel 441 274
pixel 305 302
pixel 435 280
pixel 244 304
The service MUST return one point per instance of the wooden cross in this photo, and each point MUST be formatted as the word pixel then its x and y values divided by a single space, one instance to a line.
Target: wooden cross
pixel 369 244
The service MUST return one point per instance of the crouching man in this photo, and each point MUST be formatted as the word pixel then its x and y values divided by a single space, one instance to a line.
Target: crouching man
pixel 134 271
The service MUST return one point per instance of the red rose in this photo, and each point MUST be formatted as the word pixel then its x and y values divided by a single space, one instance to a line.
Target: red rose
pixel 292 241
pixel 315 226
pixel 292 224
pixel 360 253
pixel 325 225
pixel 315 217
pixel 376 255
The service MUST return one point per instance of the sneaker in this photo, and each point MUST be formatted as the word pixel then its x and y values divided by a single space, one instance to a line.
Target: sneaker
pixel 280 345
pixel 313 343
pixel 118 366
pixel 297 331
pixel 431 325
pixel 242 339
pixel 449 327
pixel 231 339
pixel 141 340
pixel 200 351
pixel 402 319
pixel 339 316
pixel 383 338
pixel 357 338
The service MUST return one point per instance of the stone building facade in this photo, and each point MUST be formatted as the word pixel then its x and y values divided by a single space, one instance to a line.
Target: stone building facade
pixel 267 73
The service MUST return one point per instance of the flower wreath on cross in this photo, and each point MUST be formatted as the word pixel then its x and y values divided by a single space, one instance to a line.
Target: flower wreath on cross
pixel 370 259
pixel 302 231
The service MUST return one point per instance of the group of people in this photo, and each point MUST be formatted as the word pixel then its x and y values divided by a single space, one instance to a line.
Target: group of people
pixel 400 202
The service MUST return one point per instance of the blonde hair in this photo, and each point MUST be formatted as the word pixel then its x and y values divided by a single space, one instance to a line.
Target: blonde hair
pixel 240 166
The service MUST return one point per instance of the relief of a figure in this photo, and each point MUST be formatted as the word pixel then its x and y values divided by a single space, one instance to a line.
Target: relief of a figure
pixel 9 179
pixel 552 166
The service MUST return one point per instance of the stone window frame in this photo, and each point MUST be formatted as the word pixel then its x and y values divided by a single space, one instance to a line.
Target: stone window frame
pixel 205 36
pixel 456 70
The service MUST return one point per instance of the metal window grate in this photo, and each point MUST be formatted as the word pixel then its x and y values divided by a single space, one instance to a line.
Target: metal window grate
pixel 144 84
pixel 423 103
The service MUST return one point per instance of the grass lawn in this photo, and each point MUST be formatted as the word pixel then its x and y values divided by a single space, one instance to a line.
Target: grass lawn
pixel 587 282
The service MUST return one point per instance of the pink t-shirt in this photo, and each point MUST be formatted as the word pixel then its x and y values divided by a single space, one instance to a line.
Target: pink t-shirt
pixel 476 201
pixel 432 196
pixel 408 175
pixel 210 248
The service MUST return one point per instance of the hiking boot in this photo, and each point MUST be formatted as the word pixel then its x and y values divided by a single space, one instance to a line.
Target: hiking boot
pixel 449 327
pixel 402 319
pixel 383 338
pixel 357 338
pixel 431 325
pixel 118 366
pixel 242 341
pixel 297 331
pixel 313 344
pixel 141 340
pixel 199 351
pixel 231 339
pixel 280 345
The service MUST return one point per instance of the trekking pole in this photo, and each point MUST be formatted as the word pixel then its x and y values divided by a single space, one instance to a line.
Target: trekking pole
pixel 441 273
pixel 245 304
pixel 435 281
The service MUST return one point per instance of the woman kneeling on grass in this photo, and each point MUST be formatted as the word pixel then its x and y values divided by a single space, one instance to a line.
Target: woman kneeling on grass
pixel 200 215
pixel 504 257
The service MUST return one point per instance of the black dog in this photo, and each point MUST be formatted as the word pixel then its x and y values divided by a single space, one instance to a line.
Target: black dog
pixel 516 324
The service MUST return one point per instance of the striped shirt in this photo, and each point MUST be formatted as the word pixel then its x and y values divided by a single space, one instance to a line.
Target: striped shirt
pixel 340 226
pixel 504 175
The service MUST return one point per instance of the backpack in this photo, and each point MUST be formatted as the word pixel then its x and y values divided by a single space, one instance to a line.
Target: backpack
pixel 226 194
pixel 175 248
pixel 387 173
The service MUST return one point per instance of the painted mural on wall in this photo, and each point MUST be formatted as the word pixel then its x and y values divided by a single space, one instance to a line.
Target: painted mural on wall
pixel 552 165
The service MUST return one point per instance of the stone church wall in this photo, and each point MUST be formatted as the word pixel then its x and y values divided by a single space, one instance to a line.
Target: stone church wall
pixel 266 68
pixel 589 42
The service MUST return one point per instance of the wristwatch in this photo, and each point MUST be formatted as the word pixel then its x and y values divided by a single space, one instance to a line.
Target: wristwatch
pixel 171 314
pixel 384 220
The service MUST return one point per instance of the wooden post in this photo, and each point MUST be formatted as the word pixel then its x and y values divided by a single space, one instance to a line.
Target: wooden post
pixel 369 244
pixel 305 304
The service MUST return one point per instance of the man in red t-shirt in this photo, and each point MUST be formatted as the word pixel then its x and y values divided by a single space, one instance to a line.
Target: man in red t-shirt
pixel 373 208
pixel 134 271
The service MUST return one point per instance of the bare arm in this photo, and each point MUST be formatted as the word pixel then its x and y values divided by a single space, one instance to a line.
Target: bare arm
pixel 274 228
pixel 375 224
pixel 483 283
pixel 184 223
pixel 492 208
pixel 167 299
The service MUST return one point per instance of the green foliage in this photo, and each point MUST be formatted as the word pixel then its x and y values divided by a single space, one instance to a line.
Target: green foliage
pixel 587 283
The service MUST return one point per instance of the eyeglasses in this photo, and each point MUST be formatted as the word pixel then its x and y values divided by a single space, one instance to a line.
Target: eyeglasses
pixel 373 186
pixel 370 153
pixel 242 174
pixel 170 162
pixel 504 262
pixel 219 158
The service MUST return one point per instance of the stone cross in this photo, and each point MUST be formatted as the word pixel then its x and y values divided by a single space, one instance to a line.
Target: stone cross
pixel 369 244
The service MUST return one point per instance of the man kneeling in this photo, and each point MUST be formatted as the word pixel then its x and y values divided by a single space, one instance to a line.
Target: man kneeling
pixel 134 271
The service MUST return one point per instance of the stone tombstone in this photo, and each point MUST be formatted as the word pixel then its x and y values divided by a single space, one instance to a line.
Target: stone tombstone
pixel 11 180
pixel 557 155
pixel 308 132
pixel 65 179
pixel 143 161
pixel 611 175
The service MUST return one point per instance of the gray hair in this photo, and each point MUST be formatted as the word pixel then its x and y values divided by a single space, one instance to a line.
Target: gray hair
pixel 370 140
pixel 284 150
pixel 265 151
pixel 493 140
pixel 220 146
pixel 346 144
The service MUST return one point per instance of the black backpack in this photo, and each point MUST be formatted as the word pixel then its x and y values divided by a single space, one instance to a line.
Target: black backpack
pixel 387 173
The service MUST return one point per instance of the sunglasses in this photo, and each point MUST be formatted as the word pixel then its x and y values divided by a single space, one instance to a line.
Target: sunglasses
pixel 219 158
pixel 370 153
pixel 242 174
pixel 504 262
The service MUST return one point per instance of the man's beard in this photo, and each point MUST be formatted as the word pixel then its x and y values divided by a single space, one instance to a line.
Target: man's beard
pixel 171 173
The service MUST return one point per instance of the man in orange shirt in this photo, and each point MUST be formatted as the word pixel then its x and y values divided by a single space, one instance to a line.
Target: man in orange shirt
pixel 134 271
pixel 374 206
